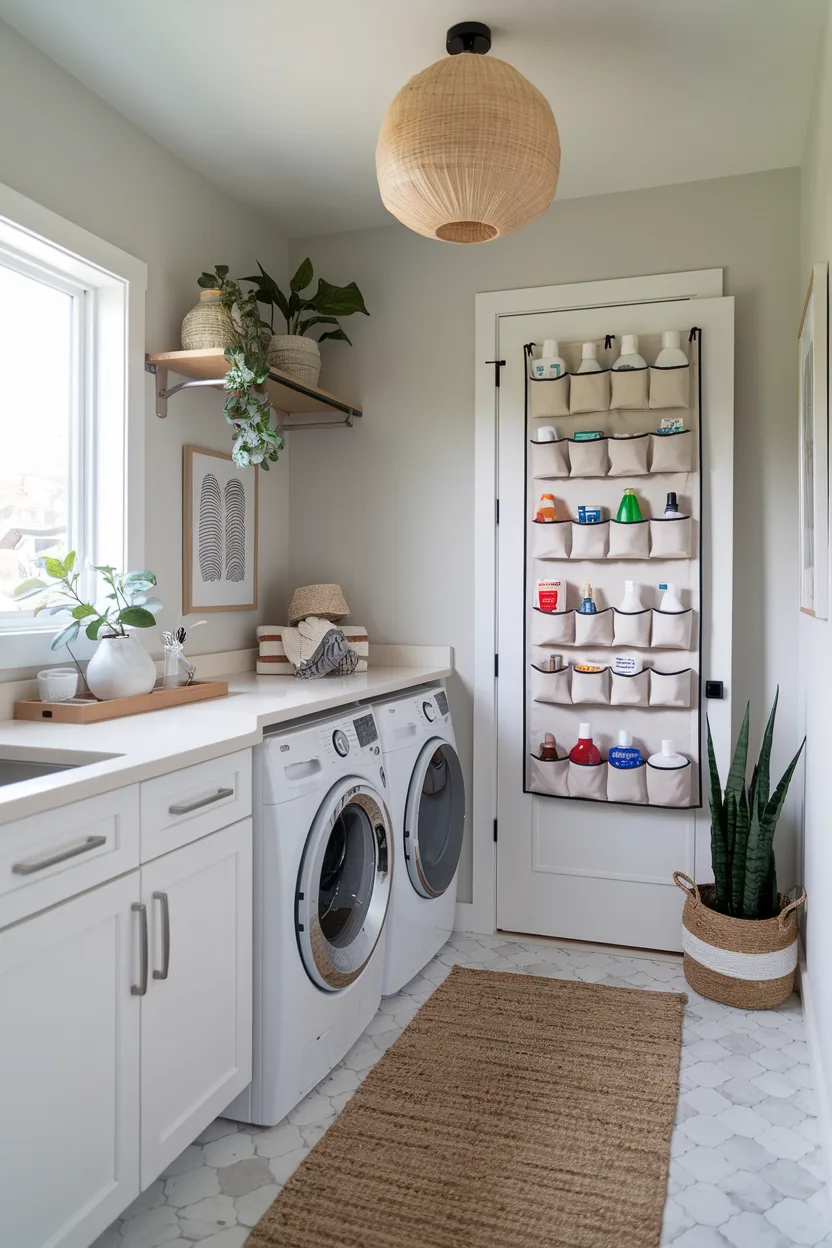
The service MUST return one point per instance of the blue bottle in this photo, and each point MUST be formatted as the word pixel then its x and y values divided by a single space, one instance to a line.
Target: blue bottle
pixel 625 753
pixel 587 606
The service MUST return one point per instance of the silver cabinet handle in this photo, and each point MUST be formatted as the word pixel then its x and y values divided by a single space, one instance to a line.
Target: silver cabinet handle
pixel 162 898
pixel 138 990
pixel 29 866
pixel 185 808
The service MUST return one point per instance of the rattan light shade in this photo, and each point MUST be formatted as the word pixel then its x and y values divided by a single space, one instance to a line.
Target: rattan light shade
pixel 469 151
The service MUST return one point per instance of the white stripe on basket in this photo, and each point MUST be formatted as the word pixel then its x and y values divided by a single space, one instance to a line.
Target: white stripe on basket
pixel 754 966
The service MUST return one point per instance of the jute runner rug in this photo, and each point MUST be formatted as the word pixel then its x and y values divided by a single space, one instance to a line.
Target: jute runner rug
pixel 513 1112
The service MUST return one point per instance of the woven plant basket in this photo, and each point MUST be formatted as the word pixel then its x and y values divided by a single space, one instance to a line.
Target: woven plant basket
pixel 299 357
pixel 747 963
pixel 325 601
pixel 208 325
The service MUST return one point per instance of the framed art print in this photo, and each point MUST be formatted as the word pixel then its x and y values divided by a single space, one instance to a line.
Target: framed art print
pixel 813 418
pixel 219 533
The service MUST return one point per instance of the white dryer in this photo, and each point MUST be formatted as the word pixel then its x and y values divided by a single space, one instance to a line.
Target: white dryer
pixel 427 799
pixel 322 876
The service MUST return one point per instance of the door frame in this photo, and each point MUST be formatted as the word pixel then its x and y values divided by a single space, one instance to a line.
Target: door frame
pixel 480 914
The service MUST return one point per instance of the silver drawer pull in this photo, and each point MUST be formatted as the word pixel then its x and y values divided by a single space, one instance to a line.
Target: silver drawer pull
pixel 185 808
pixel 72 851
pixel 139 989
pixel 162 898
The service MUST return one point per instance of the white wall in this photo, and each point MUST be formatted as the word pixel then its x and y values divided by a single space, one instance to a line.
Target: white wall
pixel 390 515
pixel 815 636
pixel 65 148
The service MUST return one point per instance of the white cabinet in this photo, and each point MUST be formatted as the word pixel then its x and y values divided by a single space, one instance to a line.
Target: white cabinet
pixel 69 1066
pixel 196 1012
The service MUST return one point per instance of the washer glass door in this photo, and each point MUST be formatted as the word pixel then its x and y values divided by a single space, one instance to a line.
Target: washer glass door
pixel 344 885
pixel 434 819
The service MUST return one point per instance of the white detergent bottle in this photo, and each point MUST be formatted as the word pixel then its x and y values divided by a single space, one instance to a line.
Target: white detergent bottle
pixel 671 602
pixel 631 602
pixel 671 354
pixel 550 364
pixel 629 357
pixel 589 359
pixel 668 758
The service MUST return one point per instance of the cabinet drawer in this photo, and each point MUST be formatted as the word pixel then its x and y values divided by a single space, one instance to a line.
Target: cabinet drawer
pixel 48 857
pixel 190 803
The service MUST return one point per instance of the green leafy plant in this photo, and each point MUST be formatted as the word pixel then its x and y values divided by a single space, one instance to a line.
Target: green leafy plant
pixel 303 312
pixel 248 408
pixel 131 605
pixel 743 822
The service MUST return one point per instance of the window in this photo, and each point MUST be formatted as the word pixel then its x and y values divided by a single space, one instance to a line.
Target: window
pixel 71 373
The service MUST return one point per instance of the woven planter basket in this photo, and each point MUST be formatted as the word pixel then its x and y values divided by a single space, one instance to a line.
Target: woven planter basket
pixel 208 325
pixel 297 356
pixel 325 601
pixel 747 963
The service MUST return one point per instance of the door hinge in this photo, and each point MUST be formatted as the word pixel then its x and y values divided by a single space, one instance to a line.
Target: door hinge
pixel 495 831
pixel 496 511
pixel 498 364
pixel 496 665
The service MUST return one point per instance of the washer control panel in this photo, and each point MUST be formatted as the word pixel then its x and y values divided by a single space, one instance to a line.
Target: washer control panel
pixel 341 743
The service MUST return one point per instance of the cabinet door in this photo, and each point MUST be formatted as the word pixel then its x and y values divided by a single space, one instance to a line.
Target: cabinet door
pixel 69 1069
pixel 196 1016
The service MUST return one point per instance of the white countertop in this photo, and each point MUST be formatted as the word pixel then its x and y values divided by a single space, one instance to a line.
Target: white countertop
pixel 164 741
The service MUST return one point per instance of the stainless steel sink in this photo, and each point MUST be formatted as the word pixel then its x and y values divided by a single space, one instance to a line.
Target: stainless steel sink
pixel 18 763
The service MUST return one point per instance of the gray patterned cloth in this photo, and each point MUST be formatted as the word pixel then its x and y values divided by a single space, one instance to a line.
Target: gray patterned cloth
pixel 317 648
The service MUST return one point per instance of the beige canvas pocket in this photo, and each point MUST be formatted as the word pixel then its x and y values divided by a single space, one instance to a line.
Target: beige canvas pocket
pixel 588 459
pixel 672 452
pixel 629 539
pixel 671 539
pixel 550 397
pixel 628 456
pixel 672 630
pixel 551 686
pixel 630 690
pixel 590 541
pixel 591 687
pixel 594 629
pixel 549 776
pixel 629 389
pixel 551 539
pixel 589 392
pixel 552 628
pixel 550 459
pixel 670 688
pixel 627 784
pixel 669 786
pixel 670 387
pixel 588 780
pixel 632 628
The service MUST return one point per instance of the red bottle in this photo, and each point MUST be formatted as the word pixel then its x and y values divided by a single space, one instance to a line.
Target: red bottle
pixel 585 751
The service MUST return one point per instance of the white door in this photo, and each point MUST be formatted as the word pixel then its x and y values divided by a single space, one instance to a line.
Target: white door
pixel 196 1013
pixel 584 870
pixel 69 1069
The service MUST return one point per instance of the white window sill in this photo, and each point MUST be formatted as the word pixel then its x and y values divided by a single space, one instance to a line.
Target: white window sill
pixel 29 647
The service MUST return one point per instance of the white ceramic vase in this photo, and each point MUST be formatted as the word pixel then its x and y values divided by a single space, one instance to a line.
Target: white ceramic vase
pixel 298 356
pixel 120 668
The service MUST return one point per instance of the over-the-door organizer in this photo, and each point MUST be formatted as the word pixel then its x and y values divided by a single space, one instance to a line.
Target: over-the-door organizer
pixel 659 697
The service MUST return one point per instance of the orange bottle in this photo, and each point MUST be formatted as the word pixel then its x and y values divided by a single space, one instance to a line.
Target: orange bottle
pixel 546 512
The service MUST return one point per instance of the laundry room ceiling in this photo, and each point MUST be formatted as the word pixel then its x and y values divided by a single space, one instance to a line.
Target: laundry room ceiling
pixel 280 103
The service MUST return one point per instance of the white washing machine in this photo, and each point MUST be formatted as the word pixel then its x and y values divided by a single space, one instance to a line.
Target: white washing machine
pixel 323 858
pixel 427 801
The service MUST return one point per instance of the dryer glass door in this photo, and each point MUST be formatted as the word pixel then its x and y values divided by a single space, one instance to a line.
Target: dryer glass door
pixel 434 819
pixel 344 885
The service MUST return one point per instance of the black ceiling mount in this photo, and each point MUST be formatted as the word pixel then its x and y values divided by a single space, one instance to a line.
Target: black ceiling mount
pixel 468 37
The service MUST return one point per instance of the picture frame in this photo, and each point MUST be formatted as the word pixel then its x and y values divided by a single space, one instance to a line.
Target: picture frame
pixel 219 532
pixel 813 424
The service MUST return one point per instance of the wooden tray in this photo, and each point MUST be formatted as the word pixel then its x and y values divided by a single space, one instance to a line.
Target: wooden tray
pixel 88 711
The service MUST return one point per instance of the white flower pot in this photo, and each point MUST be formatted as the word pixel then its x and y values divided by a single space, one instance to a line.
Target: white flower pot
pixel 120 668
pixel 298 356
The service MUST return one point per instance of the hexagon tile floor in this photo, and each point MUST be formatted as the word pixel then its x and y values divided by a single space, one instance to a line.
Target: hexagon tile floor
pixel 746 1168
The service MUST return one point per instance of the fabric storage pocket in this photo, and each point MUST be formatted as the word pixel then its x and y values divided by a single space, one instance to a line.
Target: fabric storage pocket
pixel 670 387
pixel 630 690
pixel 551 539
pixel 589 392
pixel 588 780
pixel 550 459
pixel 629 389
pixel 552 628
pixel 672 629
pixel 627 784
pixel 628 456
pixel 670 539
pixel 549 776
pixel 588 459
pixel 629 539
pixel 590 541
pixel 672 452
pixel 549 397
pixel 594 629
pixel 631 628
pixel 669 786
pixel 551 686
pixel 593 687
pixel 670 688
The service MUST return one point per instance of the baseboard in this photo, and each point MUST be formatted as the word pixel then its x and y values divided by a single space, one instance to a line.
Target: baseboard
pixel 813 1041
pixel 469 919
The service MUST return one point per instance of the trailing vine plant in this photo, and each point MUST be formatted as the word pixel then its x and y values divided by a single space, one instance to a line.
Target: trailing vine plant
pixel 247 406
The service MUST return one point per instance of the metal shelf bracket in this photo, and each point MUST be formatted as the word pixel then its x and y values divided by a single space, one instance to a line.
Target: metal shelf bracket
pixel 163 392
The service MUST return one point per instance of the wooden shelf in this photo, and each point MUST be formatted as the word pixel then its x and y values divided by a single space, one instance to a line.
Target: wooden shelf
pixel 208 367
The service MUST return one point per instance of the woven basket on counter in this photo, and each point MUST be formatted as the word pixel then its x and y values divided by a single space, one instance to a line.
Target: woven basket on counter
pixel 747 963
pixel 209 325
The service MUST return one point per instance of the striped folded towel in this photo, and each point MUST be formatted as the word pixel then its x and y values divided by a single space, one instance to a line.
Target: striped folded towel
pixel 272 659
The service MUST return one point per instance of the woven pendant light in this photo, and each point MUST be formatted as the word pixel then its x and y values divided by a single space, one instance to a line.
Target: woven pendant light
pixel 469 149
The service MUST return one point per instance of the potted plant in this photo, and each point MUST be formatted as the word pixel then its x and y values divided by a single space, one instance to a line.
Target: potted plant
pixel 740 933
pixel 209 324
pixel 294 352
pixel 120 667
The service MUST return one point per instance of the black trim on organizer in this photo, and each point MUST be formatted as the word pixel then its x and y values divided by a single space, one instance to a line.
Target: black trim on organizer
pixel 633 370
pixel 575 763
pixel 643 610
pixel 680 672
pixel 688 763
pixel 595 372
pixel 664 519
pixel 666 368
pixel 632 437
pixel 605 437
pixel 568 519
pixel 684 611
pixel 552 671
pixel 670 433
pixel 498 364
pixel 630 676
pixel 627 524
pixel 693 333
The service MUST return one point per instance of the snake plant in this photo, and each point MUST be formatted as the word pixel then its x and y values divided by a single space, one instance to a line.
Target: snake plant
pixel 743 822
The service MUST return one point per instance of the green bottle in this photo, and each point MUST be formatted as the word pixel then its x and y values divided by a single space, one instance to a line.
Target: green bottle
pixel 629 511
